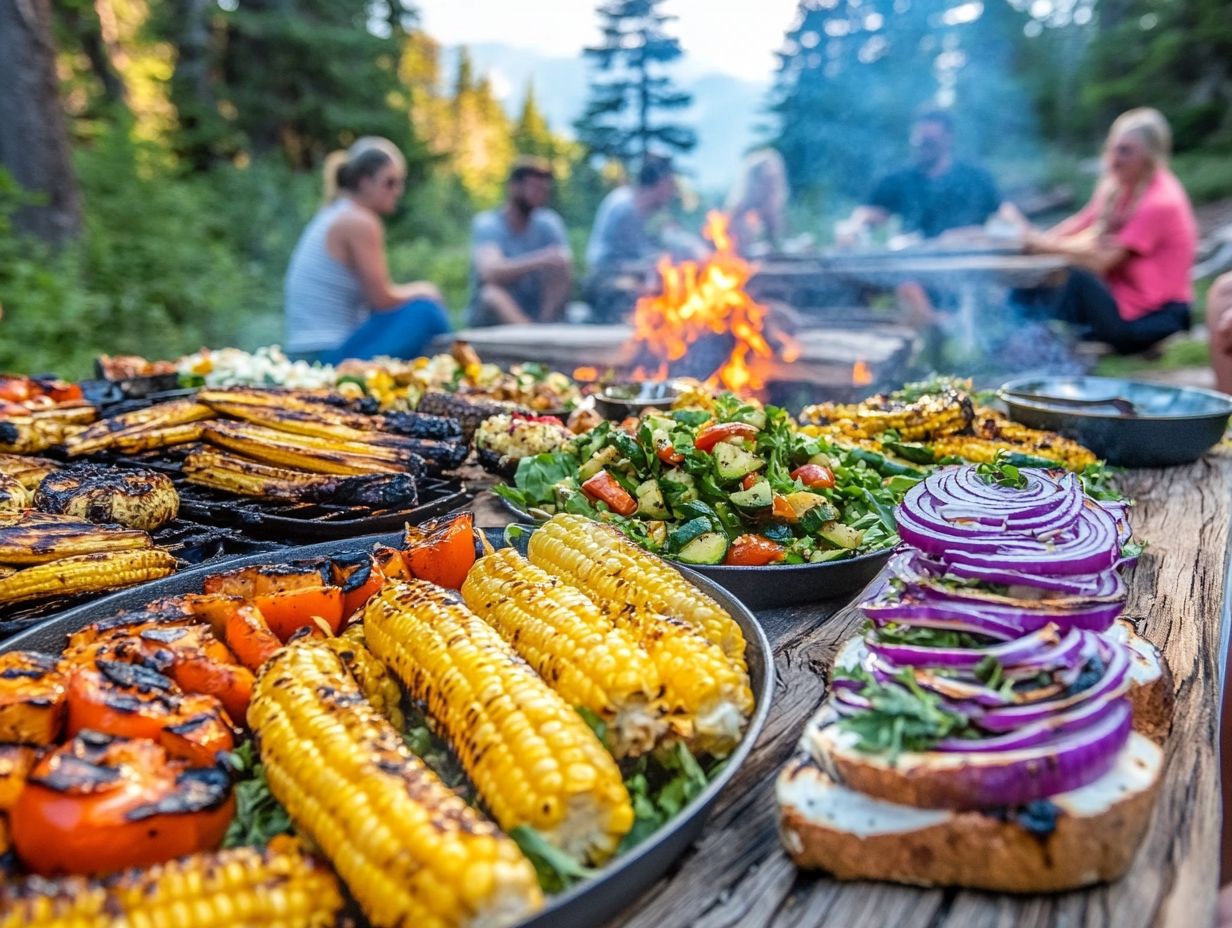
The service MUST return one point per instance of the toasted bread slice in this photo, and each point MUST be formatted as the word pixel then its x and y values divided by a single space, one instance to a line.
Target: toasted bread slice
pixel 1094 837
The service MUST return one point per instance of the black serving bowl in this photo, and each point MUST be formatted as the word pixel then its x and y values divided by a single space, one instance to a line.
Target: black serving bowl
pixel 621 400
pixel 1128 423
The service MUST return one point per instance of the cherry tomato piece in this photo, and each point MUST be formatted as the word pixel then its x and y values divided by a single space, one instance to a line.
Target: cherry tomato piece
pixel 754 551
pixel 814 476
pixel 711 435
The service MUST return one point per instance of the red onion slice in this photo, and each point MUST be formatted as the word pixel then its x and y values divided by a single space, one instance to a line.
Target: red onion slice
pixel 1082 716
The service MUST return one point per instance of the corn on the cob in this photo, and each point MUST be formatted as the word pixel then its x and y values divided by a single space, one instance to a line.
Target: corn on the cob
pixel 312 424
pixel 412 852
pixel 279 886
pixel 298 451
pixel 605 565
pixel 177 412
pixel 233 474
pixel 994 427
pixel 531 757
pixel 39 538
pixel 573 645
pixel 27 470
pixel 13 496
pixel 31 434
pixel 944 412
pixel 373 677
pixel 86 573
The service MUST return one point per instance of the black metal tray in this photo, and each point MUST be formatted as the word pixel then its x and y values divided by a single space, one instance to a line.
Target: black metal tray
pixel 779 584
pixel 587 905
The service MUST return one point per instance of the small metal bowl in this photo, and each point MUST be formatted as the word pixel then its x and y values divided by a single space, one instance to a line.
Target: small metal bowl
pixel 1128 423
pixel 621 400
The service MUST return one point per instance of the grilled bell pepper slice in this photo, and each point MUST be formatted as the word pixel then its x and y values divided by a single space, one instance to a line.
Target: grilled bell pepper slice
pixel 359 578
pixel 250 637
pixel 711 435
pixel 603 488
pixel 442 553
pixel 31 698
pixel 291 610
pixel 102 803
pixel 754 551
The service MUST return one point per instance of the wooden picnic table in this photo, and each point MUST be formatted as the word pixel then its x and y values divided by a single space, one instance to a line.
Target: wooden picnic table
pixel 737 875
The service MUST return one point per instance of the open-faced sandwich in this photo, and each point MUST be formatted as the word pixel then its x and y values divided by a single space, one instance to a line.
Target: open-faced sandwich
pixel 996 726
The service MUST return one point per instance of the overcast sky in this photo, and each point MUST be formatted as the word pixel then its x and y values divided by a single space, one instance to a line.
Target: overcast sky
pixel 737 37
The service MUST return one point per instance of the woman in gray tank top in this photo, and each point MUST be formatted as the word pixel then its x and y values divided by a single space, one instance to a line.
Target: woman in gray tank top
pixel 339 300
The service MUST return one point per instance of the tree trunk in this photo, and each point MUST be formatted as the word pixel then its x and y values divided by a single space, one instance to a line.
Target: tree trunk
pixel 33 136
pixel 192 90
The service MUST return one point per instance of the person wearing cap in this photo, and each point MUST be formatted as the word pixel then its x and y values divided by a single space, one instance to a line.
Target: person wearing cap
pixel 522 269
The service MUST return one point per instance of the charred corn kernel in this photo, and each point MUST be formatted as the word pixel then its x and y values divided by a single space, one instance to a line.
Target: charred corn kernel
pixel 373 678
pixel 410 850
pixel 605 565
pixel 275 887
pixel 86 573
pixel 708 698
pixel 13 496
pixel 944 412
pixel 573 645
pixel 1011 436
pixel 301 453
pixel 528 752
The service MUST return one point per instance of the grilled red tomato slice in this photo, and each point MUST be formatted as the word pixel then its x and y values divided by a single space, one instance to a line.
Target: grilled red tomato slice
pixel 814 476
pixel 754 551
pixel 101 803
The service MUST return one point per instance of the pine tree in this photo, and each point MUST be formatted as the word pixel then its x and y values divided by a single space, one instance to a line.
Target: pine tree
pixel 630 87
pixel 531 134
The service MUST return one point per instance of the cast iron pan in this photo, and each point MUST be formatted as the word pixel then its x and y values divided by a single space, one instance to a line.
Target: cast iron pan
pixel 1128 423
pixel 780 584
pixel 587 905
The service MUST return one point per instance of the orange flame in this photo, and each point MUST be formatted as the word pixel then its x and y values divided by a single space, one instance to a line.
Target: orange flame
pixel 861 376
pixel 708 298
pixel 585 374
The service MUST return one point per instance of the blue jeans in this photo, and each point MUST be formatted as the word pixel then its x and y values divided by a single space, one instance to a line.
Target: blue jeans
pixel 401 332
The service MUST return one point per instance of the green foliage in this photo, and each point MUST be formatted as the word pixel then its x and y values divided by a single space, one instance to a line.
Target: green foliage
pixel 630 88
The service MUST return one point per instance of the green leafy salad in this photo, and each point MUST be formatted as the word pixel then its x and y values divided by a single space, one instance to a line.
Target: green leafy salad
pixel 737 484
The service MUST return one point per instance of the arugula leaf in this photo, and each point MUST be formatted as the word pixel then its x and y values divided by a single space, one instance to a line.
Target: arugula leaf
pixel 1002 472
pixel 902 717
pixel 922 637
pixel 556 869
pixel 258 815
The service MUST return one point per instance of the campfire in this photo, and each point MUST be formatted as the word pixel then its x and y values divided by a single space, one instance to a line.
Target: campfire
pixel 705 325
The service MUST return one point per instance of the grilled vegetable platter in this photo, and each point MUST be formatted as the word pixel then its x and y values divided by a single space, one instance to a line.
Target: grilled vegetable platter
pixel 734 488
pixel 406 729
pixel 996 725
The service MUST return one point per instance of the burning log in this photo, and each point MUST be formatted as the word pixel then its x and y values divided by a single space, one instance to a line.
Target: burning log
pixel 704 323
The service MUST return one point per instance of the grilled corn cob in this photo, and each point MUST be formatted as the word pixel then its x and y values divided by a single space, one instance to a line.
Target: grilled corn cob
pixel 607 566
pixel 279 886
pixel 531 757
pixel 86 573
pixel 374 679
pixel 31 434
pixel 13 496
pixel 572 645
pixel 233 474
pixel 27 470
pixel 943 412
pixel 304 453
pixel 994 427
pixel 39 537
pixel 412 852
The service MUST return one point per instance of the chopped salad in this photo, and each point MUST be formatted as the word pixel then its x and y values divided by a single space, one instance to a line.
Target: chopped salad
pixel 735 484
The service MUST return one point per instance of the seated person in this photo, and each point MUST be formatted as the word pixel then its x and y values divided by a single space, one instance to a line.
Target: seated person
pixel 1219 319
pixel 339 300
pixel 757 205
pixel 522 266
pixel 622 247
pixel 935 194
pixel 1133 243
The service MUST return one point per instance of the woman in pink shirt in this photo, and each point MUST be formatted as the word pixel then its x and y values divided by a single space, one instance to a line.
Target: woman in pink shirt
pixel 1132 245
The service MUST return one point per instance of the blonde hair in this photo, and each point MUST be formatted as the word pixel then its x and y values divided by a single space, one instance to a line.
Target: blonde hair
pixel 763 173
pixel 343 169
pixel 1150 127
